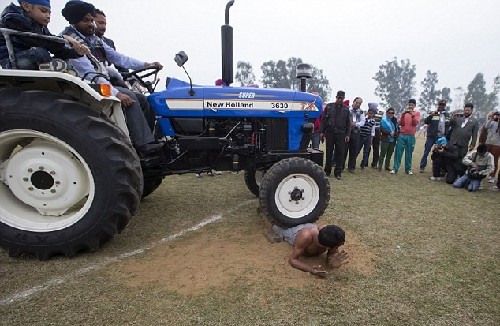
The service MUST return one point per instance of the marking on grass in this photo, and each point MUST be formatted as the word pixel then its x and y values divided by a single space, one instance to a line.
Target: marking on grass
pixel 22 295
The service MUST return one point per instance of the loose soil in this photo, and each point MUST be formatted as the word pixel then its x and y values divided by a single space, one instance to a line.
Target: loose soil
pixel 220 257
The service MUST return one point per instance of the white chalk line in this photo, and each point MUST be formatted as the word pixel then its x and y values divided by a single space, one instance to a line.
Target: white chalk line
pixel 25 294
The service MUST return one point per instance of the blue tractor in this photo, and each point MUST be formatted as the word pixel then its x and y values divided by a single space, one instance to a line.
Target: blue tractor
pixel 70 178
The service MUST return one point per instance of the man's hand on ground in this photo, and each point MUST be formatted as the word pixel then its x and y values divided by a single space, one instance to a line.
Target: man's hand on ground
pixel 338 259
pixel 318 271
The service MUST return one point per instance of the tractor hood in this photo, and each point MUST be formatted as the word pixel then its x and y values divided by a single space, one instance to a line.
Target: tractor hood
pixel 233 101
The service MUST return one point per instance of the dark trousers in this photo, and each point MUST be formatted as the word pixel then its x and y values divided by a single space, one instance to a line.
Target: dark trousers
pixel 351 148
pixel 334 142
pixel 375 149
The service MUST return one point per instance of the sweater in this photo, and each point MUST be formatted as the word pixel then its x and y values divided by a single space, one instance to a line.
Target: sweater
pixel 408 123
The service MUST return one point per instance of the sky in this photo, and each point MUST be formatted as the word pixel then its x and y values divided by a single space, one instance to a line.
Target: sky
pixel 349 40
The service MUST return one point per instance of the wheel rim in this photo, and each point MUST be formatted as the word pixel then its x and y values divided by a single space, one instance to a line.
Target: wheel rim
pixel 297 195
pixel 46 185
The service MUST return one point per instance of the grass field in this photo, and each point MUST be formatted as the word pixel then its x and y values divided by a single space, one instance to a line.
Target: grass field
pixel 422 253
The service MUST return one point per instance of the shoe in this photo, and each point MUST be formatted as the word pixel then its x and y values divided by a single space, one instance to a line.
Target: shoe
pixel 480 187
pixel 435 178
pixel 495 188
pixel 374 166
pixel 393 172
pixel 379 169
pixel 409 173
pixel 338 177
pixel 362 168
pixel 53 65
pixel 198 175
pixel 328 173
pixel 351 171
pixel 147 149
pixel 422 170
pixel 491 180
pixel 388 169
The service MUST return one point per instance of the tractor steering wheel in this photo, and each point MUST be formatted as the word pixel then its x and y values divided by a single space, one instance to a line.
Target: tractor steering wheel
pixel 146 72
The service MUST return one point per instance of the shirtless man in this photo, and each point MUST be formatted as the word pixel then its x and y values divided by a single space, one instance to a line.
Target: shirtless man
pixel 312 240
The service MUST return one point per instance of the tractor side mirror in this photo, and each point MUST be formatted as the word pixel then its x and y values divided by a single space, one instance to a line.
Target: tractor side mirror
pixel 181 58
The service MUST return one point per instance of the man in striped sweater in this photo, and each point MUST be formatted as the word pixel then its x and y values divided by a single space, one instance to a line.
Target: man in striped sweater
pixel 365 135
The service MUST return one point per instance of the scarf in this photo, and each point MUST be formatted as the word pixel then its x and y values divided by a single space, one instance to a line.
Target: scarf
pixel 387 124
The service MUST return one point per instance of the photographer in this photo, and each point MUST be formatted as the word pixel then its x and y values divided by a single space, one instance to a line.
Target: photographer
pixel 480 164
pixel 444 158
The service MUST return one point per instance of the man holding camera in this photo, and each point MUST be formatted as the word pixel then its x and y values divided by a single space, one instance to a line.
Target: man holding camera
pixel 438 123
pixel 479 165
pixel 406 141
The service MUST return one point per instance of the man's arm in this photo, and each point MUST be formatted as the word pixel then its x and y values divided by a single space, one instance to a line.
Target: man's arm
pixel 302 241
pixel 362 120
pixel 475 130
pixel 122 60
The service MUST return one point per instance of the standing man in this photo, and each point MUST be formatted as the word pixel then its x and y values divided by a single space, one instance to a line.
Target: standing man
pixel 464 133
pixel 438 123
pixel 335 127
pixel 357 121
pixel 376 136
pixel 406 141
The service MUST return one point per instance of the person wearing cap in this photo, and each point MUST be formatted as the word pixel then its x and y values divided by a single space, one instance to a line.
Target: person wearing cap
pixel 335 127
pixel 406 141
pixel 479 165
pixel 32 16
pixel 492 142
pixel 443 157
pixel 80 15
pixel 438 125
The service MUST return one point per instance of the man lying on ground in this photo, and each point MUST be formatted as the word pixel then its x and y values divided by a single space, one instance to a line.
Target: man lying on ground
pixel 312 240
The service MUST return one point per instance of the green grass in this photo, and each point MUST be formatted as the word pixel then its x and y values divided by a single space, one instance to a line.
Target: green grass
pixel 422 253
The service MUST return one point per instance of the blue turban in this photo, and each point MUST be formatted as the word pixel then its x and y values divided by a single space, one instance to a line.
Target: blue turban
pixel 441 141
pixel 43 3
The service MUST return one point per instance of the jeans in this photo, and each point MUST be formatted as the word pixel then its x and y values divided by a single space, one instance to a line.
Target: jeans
pixel 365 143
pixel 431 140
pixel 29 59
pixel 462 181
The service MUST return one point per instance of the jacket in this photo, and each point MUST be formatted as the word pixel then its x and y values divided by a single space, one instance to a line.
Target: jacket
pixel 14 17
pixel 485 162
pixel 432 121
pixel 336 119
pixel 408 123
pixel 461 136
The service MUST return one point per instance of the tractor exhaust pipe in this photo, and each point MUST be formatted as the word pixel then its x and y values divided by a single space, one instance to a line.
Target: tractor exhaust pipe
pixel 227 49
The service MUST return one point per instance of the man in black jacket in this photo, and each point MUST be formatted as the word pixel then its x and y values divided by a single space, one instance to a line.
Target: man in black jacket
pixel 335 127
pixel 438 123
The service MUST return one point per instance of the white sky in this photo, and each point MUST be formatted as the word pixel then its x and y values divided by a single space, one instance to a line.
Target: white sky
pixel 349 40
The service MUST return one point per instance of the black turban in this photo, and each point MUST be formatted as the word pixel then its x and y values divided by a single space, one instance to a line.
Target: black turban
pixel 75 10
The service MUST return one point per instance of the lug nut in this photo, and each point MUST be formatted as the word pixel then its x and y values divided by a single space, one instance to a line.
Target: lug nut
pixel 30 188
pixel 30 170
pixel 58 182
pixel 52 190
pixel 25 179
pixel 41 168
pixel 52 172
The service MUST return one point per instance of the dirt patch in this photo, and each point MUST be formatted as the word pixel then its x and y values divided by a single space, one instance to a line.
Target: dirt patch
pixel 218 259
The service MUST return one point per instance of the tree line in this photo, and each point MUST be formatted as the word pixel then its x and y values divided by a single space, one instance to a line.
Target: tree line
pixel 396 84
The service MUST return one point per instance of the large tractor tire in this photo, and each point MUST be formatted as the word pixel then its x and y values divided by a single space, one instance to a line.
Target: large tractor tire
pixel 70 179
pixel 253 178
pixel 294 191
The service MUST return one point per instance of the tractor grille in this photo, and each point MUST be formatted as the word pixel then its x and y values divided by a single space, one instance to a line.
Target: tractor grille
pixel 276 134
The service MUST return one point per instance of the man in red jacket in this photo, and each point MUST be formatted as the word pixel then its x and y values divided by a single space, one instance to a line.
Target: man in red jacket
pixel 406 141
